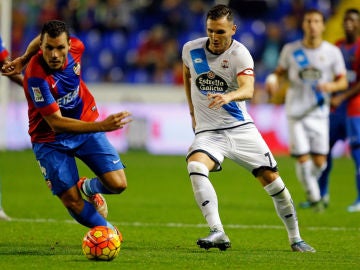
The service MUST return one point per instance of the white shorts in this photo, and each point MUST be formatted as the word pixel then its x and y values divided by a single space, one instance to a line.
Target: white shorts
pixel 310 135
pixel 242 144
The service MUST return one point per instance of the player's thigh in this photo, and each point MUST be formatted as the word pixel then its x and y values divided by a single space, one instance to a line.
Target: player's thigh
pixel 58 167
pixel 210 144
pixel 249 149
pixel 99 155
pixel 299 143
pixel 318 132
pixel 337 128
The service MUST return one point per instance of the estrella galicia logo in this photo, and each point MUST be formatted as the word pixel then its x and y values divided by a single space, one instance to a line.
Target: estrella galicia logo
pixel 310 74
pixel 210 82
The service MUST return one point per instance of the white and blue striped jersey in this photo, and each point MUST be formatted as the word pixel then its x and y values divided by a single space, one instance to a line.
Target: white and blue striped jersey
pixel 216 73
pixel 306 68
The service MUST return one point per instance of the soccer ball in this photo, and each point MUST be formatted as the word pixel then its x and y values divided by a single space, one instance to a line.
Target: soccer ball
pixel 101 243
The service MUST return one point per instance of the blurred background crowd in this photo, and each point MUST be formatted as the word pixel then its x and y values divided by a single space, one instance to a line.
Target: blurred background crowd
pixel 140 41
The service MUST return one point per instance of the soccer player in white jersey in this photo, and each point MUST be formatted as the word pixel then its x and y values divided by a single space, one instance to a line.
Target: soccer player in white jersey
pixel 314 68
pixel 218 77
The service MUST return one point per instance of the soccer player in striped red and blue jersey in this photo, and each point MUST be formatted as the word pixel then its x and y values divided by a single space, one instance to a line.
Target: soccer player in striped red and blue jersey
pixel 4 58
pixel 62 125
pixel 345 117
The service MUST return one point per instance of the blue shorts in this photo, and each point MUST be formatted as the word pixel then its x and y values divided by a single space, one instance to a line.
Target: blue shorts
pixel 338 128
pixel 353 129
pixel 57 159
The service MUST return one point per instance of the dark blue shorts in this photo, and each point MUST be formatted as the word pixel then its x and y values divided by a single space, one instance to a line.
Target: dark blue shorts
pixel 338 128
pixel 57 159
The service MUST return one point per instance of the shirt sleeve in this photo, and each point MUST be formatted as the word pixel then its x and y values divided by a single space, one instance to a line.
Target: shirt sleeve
pixel 339 63
pixel 284 57
pixel 3 51
pixel 41 96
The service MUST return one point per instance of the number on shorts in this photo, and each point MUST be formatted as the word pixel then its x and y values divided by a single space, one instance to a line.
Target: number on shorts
pixel 269 157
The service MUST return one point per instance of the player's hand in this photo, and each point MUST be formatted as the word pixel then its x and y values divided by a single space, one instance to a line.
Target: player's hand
pixel 12 67
pixel 271 84
pixel 336 100
pixel 217 100
pixel 325 87
pixel 116 121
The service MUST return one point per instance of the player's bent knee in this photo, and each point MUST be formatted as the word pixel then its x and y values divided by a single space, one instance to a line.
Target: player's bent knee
pixel 115 181
pixel 117 186
pixel 197 167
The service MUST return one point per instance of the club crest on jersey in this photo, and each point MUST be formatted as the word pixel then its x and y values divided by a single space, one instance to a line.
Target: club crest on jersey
pixel 38 97
pixel 211 75
pixel 77 68
pixel 210 82
pixel 225 63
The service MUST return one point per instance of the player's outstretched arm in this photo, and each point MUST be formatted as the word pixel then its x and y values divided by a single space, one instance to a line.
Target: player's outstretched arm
pixel 62 124
pixel 115 121
pixel 17 78
pixel 17 65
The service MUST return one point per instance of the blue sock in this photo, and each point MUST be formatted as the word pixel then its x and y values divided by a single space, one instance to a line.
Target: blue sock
pixel 356 157
pixel 93 186
pixel 89 217
pixel 324 178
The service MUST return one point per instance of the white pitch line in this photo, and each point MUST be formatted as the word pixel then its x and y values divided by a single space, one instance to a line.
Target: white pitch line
pixel 184 225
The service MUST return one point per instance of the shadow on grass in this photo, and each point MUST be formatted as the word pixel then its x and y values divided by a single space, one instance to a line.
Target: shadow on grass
pixel 39 249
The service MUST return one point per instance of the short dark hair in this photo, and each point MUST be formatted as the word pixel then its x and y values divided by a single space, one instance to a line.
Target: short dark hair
pixel 314 11
pixel 220 11
pixel 352 10
pixel 55 28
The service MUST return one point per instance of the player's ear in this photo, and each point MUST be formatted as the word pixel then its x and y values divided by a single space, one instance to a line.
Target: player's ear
pixel 234 27
pixel 69 43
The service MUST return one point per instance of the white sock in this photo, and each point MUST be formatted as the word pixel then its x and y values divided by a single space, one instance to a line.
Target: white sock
pixel 284 208
pixel 205 194
pixel 309 181
pixel 317 171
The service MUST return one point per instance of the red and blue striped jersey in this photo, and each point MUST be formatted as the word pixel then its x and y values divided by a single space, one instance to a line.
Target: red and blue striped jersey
pixel 48 91
pixel 3 51
pixel 351 53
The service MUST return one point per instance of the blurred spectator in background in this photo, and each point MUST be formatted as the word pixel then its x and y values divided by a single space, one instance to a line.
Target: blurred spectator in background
pixel 49 10
pixel 273 45
pixel 68 12
pixel 88 16
pixel 172 14
pixel 117 16
pixel 99 22
pixel 155 57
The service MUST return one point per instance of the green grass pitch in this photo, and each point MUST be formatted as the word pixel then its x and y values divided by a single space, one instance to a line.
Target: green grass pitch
pixel 160 221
